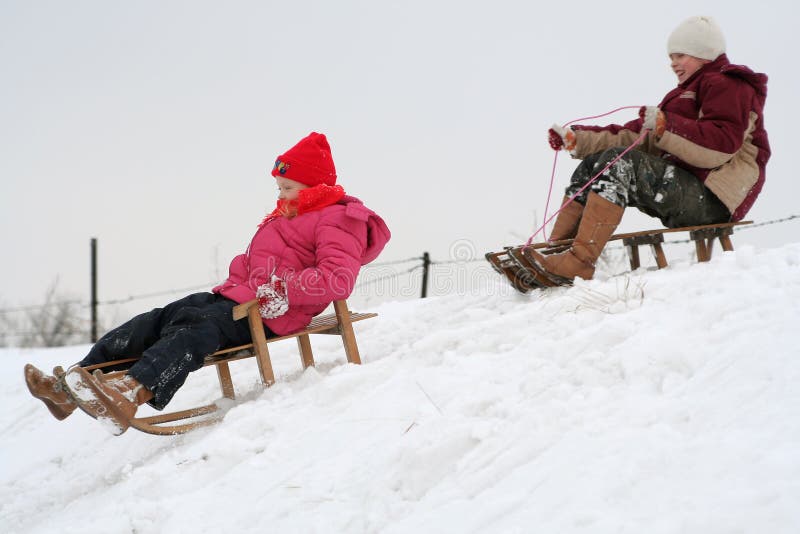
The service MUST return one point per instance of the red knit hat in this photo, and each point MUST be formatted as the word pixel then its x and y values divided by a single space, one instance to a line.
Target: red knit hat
pixel 308 162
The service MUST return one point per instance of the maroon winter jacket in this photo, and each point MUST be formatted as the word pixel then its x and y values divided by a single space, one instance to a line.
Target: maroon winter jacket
pixel 715 129
pixel 318 254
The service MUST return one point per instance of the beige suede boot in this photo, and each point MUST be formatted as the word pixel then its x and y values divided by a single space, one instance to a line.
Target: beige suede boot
pixel 600 219
pixel 112 400
pixel 48 389
pixel 567 221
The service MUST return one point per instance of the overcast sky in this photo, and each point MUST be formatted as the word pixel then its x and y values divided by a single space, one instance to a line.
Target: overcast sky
pixel 151 125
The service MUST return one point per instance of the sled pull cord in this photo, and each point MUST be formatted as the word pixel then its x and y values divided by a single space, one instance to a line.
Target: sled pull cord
pixel 596 176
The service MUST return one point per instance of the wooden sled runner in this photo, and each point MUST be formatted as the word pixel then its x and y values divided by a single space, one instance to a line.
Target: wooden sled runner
pixel 524 276
pixel 339 323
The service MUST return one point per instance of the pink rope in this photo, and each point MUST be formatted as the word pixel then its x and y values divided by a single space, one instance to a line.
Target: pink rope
pixel 596 176
pixel 601 115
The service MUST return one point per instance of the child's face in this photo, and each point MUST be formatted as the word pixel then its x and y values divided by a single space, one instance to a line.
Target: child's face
pixel 288 189
pixel 684 65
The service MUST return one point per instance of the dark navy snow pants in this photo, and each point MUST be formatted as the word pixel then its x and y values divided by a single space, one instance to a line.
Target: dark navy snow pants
pixel 172 342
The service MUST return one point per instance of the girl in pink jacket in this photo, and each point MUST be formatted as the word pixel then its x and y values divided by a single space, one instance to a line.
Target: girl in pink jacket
pixel 304 255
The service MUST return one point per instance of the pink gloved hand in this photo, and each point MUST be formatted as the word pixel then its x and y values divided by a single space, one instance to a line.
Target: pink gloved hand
pixel 559 138
pixel 272 299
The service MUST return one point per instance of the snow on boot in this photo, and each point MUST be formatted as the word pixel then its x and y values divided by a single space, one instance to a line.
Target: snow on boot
pixel 567 221
pixel 48 389
pixel 113 401
pixel 600 219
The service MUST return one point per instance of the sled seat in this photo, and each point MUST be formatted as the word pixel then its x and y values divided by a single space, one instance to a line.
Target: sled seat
pixel 338 323
pixel 703 237
pixel 512 263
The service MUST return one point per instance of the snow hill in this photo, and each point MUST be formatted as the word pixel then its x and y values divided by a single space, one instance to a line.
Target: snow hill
pixel 654 401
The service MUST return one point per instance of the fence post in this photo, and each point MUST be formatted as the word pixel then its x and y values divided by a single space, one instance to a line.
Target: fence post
pixel 94 290
pixel 426 262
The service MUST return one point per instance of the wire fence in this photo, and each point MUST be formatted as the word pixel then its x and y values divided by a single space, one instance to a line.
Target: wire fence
pixel 404 278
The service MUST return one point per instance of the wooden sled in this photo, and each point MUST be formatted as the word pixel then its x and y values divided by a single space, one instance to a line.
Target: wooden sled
pixel 339 323
pixel 524 276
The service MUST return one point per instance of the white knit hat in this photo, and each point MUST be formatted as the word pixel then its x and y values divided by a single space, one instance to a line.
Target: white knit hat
pixel 697 36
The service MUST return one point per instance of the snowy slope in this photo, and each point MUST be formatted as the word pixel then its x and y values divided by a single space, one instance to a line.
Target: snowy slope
pixel 655 401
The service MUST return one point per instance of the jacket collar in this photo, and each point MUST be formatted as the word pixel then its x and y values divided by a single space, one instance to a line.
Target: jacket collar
pixel 714 66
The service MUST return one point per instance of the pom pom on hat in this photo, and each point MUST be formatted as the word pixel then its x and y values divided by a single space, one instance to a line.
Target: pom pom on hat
pixel 308 162
pixel 700 37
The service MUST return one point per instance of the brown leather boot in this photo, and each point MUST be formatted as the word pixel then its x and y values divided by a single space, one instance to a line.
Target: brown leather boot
pixel 113 400
pixel 600 219
pixel 48 389
pixel 567 221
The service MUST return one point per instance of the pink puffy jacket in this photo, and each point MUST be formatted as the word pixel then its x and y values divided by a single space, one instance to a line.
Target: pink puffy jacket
pixel 318 254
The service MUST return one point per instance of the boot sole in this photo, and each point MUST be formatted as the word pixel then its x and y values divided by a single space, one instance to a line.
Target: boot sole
pixel 534 276
pixel 554 279
pixel 543 276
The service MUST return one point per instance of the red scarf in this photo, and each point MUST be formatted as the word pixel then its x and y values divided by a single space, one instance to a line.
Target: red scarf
pixel 308 199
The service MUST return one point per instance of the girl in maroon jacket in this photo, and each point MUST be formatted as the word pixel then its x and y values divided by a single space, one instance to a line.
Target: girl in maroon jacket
pixel 701 162
pixel 304 255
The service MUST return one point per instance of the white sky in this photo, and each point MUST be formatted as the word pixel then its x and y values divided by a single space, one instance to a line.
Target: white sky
pixel 151 125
